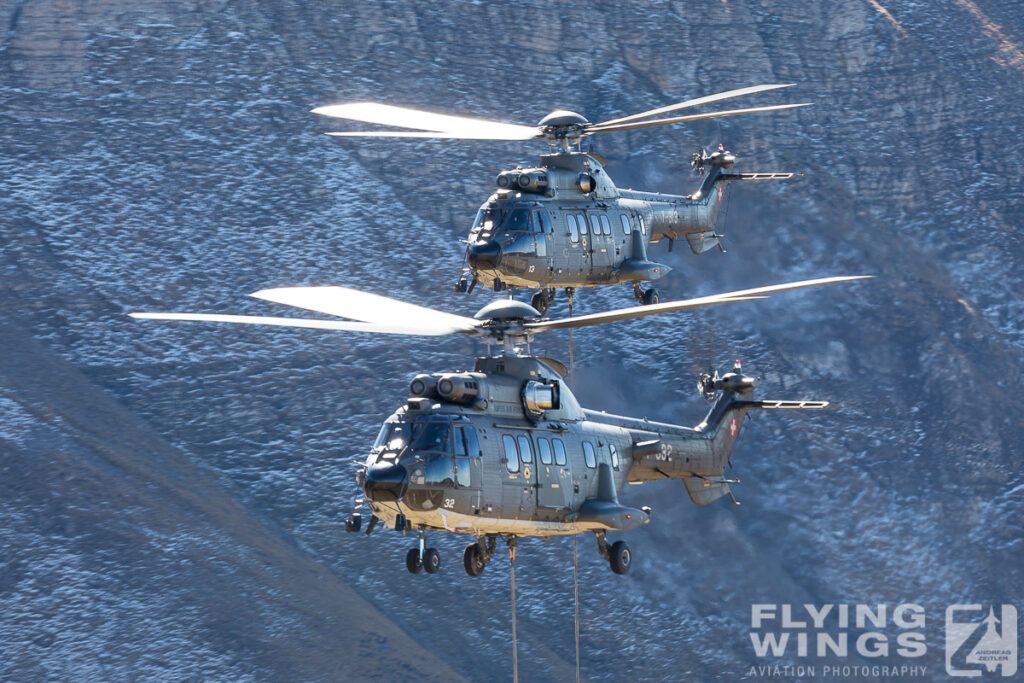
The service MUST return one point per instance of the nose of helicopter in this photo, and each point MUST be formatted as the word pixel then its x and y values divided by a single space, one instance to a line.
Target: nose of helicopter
pixel 484 255
pixel 384 481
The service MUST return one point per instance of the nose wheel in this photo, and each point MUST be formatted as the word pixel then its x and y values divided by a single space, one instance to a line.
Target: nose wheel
pixel 422 558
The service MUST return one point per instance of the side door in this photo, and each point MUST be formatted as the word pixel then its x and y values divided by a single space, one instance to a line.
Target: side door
pixel 468 477
pixel 587 242
pixel 602 247
pixel 552 481
pixel 576 245
pixel 542 231
pixel 518 499
pixel 622 230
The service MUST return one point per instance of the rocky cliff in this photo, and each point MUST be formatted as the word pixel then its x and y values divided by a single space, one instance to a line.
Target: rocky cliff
pixel 174 495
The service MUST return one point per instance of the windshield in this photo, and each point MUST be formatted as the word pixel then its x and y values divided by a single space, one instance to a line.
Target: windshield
pixel 484 219
pixel 434 435
pixel 392 437
pixel 518 219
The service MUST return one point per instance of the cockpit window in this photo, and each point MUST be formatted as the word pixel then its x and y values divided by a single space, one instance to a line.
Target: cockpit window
pixel 392 437
pixel 543 218
pixel 472 445
pixel 440 470
pixel 484 219
pixel 518 219
pixel 432 436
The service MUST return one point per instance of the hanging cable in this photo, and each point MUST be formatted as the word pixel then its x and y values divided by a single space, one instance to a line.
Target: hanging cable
pixel 576 598
pixel 572 374
pixel 512 579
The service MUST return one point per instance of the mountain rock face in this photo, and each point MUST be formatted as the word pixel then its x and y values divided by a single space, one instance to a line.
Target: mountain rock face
pixel 174 494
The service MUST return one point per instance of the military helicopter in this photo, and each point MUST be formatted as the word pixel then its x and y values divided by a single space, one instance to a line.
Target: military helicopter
pixel 506 449
pixel 564 224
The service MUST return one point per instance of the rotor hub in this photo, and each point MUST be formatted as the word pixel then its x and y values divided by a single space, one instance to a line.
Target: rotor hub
pixel 564 128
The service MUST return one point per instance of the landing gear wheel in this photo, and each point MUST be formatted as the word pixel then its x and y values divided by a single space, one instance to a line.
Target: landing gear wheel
pixel 353 523
pixel 473 559
pixel 651 296
pixel 540 301
pixel 619 557
pixel 412 561
pixel 431 560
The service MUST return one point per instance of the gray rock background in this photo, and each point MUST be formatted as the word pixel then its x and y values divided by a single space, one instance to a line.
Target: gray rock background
pixel 174 495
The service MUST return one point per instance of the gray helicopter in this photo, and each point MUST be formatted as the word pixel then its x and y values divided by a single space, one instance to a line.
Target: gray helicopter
pixel 506 450
pixel 564 224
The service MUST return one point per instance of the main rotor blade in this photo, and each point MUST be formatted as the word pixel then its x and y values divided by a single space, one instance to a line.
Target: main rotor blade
pixel 708 99
pixel 299 322
pixel 439 135
pixel 373 308
pixel 669 306
pixel 692 117
pixel 403 117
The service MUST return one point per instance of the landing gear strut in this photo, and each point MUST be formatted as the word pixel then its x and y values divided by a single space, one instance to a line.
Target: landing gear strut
pixel 618 554
pixel 478 554
pixel 645 297
pixel 423 557
pixel 542 300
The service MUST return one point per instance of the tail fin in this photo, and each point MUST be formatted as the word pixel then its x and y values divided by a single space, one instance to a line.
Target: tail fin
pixel 723 424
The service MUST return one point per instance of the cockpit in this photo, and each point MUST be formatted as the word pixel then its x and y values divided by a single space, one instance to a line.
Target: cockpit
pixel 427 450
pixel 519 217
pixel 507 228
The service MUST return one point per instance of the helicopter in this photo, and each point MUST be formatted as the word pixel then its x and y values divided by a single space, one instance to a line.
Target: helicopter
pixel 564 224
pixel 506 449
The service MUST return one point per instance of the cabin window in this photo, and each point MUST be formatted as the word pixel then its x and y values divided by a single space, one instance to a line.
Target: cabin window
pixel 626 228
pixel 543 219
pixel 643 228
pixel 582 220
pixel 525 450
pixel 511 453
pixel 440 470
pixel 544 451
pixel 595 227
pixel 615 456
pixel 462 471
pixel 574 231
pixel 606 228
pixel 560 458
pixel 588 455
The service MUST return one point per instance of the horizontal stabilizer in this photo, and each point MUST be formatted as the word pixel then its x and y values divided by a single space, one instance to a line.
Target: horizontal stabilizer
pixel 785 405
pixel 605 509
pixel 638 269
pixel 610 515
